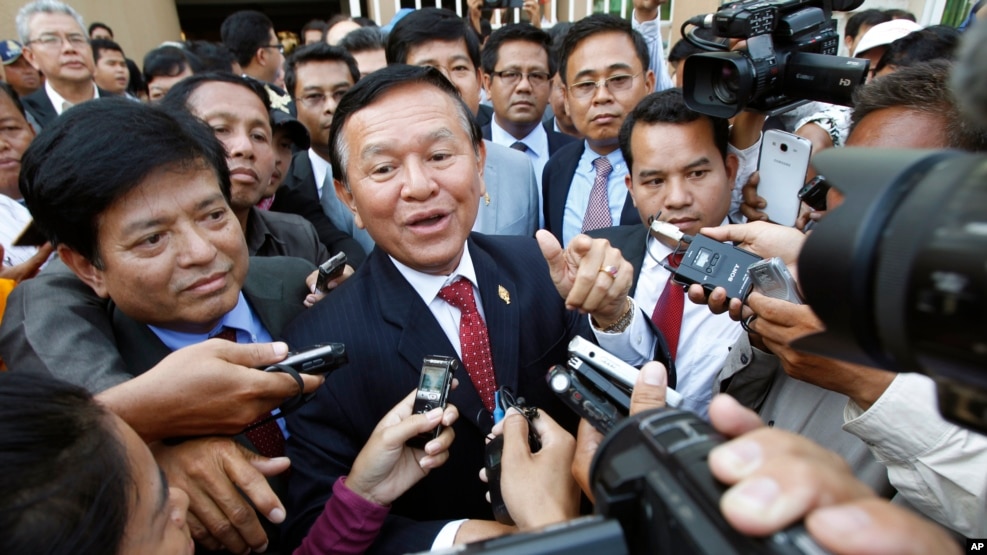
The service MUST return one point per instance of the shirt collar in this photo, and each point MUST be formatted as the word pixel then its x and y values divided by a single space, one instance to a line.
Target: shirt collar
pixel 320 169
pixel 616 159
pixel 58 100
pixel 428 286
pixel 536 141
pixel 240 318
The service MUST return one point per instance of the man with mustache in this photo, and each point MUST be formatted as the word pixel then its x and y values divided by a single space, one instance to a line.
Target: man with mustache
pixel 55 43
pixel 678 167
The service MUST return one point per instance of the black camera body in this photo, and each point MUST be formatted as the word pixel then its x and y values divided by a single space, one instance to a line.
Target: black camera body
pixel 790 59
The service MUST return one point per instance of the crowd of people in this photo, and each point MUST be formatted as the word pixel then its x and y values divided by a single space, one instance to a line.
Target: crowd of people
pixel 493 192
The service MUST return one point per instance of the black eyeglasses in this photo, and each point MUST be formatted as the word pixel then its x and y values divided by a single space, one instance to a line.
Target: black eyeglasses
pixel 280 47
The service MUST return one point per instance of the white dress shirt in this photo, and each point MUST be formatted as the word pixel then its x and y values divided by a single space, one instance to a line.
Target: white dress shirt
pixel 939 468
pixel 651 31
pixel 704 339
pixel 58 101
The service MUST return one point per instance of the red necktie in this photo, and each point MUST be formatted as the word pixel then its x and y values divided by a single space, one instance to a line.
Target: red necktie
pixel 267 438
pixel 668 312
pixel 598 210
pixel 474 341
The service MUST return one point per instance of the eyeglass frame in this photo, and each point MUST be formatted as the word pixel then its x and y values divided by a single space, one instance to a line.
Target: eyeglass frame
pixel 522 75
pixel 279 46
pixel 304 100
pixel 605 82
pixel 55 40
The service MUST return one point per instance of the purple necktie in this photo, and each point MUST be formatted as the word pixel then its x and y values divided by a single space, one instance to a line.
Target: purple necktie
pixel 598 211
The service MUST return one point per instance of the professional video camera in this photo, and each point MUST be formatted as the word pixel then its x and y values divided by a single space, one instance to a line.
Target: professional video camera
pixel 898 273
pixel 789 59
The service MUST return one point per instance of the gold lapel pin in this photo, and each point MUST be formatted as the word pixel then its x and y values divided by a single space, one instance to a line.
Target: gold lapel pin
pixel 486 198
pixel 504 295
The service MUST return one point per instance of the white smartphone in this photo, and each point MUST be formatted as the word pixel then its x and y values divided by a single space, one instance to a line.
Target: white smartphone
pixel 783 163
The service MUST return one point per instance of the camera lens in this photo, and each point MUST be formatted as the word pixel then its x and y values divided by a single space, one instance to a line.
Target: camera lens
pixel 725 86
pixel 784 147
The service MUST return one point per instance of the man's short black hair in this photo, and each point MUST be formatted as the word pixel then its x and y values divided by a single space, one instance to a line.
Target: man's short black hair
pixel 377 84
pixel 923 87
pixel 668 106
pixel 135 85
pixel 869 18
pixel 96 153
pixel 177 97
pixel 10 93
pixel 315 25
pixel 212 56
pixel 937 42
pixel 97 25
pixel 66 478
pixel 245 31
pixel 364 39
pixel 426 25
pixel 894 13
pixel 594 25
pixel 683 48
pixel 318 52
pixel 515 32
pixel 169 61
pixel 99 45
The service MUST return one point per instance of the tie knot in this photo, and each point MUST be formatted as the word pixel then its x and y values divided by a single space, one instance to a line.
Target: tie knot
pixel 675 259
pixel 226 333
pixel 518 145
pixel 460 295
pixel 602 166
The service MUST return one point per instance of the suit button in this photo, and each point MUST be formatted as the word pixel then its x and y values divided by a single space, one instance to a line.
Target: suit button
pixel 744 359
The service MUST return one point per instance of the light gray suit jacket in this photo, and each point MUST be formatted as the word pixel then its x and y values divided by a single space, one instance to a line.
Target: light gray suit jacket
pixel 512 192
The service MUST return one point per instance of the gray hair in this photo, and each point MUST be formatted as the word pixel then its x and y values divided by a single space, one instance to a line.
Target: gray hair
pixel 43 6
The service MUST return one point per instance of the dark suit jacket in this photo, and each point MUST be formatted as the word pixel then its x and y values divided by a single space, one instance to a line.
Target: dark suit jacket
pixel 39 105
pixel 556 140
pixel 300 195
pixel 556 181
pixel 483 115
pixel 280 234
pixel 96 347
pixel 388 330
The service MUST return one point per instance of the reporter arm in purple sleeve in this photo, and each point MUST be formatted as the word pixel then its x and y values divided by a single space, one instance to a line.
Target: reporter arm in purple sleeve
pixel 382 472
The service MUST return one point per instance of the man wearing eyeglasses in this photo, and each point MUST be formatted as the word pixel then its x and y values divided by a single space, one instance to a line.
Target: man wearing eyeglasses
pixel 604 68
pixel 317 75
pixel 250 37
pixel 55 43
pixel 517 71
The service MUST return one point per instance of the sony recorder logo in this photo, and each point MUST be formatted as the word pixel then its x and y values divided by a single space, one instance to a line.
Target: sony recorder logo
pixel 733 273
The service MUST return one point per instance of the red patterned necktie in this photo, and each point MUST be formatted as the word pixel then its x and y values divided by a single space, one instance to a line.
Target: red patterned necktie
pixel 267 438
pixel 598 210
pixel 668 312
pixel 474 341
